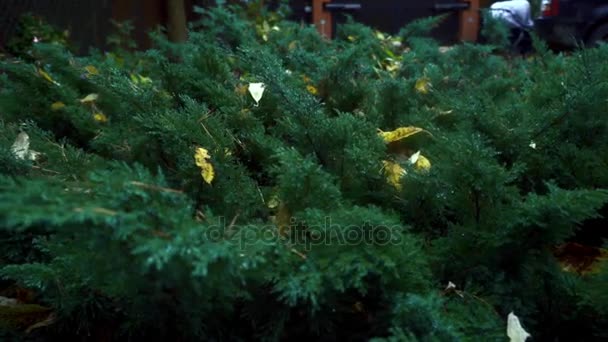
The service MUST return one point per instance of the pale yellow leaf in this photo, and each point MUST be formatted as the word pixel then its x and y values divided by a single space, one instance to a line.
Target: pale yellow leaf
pixel 91 70
pixel 515 331
pixel 273 202
pixel 89 98
pixel 21 148
pixel 256 90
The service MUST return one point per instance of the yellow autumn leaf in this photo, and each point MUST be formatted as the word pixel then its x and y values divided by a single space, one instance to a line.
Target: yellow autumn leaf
pixel 393 172
pixel 57 106
pixel 91 70
pixel 423 164
pixel 100 117
pixel 312 89
pixel 47 77
pixel 89 98
pixel 201 158
pixel 420 162
pixel 400 133
pixel 423 85
pixel 201 155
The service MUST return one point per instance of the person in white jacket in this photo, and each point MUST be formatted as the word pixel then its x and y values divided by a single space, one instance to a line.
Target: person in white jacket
pixel 517 16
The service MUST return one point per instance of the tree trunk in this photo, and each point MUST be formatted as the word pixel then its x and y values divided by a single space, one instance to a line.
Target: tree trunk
pixel 176 21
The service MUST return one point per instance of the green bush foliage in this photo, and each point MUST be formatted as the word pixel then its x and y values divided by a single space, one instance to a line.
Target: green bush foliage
pixel 301 234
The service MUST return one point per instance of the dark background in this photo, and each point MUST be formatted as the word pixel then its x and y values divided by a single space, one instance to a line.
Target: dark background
pixel 89 20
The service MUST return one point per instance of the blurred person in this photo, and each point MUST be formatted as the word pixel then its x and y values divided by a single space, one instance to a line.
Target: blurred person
pixel 518 18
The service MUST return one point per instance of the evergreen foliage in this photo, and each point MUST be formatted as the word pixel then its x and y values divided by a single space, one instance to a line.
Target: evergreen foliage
pixel 301 233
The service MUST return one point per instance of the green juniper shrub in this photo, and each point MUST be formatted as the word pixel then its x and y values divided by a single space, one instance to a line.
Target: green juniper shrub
pixel 164 202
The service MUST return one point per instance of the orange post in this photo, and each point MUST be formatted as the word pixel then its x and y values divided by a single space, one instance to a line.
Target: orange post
pixel 469 22
pixel 321 18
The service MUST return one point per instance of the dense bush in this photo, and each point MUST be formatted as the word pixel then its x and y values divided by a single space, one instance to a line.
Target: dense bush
pixel 316 221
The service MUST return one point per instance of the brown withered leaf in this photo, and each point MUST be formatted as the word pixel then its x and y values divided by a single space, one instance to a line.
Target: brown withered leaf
pixel 581 259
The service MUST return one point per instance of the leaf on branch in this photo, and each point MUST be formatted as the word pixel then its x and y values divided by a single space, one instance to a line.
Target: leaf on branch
pixel 57 106
pixel 201 157
pixel 401 133
pixel 21 148
pixel 47 77
pixel 256 90
pixel 394 172
pixel 312 89
pixel 91 70
pixel 100 117
pixel 420 162
pixel 90 98
pixel 515 331
pixel 423 85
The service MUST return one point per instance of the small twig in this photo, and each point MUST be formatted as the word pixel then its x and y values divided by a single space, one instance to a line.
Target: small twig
pixel 61 147
pixel 209 133
pixel 261 195
pixel 232 223
pixel 551 124
pixel 462 294
pixel 45 170
pixel 205 116
pixel 154 187
pixel 200 216
pixel 99 210
pixel 300 254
